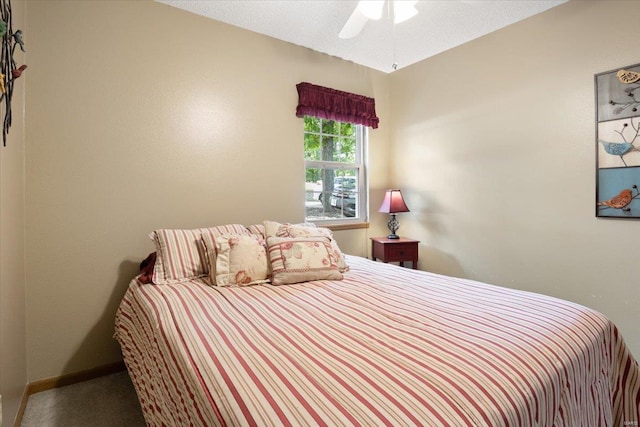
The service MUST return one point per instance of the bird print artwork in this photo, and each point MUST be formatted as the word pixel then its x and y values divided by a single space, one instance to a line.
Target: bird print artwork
pixel 627 76
pixel 17 36
pixel 618 143
pixel 626 132
pixel 18 71
pixel 8 68
pixel 631 102
pixel 618 93
pixel 621 201
pixel 617 148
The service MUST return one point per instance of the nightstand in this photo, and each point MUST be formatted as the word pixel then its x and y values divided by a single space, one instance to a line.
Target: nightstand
pixel 395 250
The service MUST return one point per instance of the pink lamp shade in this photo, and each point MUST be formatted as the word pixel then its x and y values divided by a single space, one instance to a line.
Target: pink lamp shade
pixel 393 202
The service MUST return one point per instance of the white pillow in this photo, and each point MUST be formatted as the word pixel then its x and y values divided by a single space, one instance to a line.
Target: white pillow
pixel 240 260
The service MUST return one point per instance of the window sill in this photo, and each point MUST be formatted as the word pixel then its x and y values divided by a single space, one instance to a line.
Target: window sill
pixel 341 227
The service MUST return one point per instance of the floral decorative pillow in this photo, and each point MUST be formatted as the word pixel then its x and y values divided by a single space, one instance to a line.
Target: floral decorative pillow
pixel 240 260
pixel 295 260
pixel 302 230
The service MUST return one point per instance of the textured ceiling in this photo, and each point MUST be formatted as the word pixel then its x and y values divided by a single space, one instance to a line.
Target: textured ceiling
pixel 315 24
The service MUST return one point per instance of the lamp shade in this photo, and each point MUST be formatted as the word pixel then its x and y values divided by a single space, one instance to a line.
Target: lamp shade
pixel 393 202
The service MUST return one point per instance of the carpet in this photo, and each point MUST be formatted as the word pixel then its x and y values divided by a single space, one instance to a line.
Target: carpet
pixel 108 401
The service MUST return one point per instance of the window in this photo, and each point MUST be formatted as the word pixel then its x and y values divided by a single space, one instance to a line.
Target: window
pixel 335 183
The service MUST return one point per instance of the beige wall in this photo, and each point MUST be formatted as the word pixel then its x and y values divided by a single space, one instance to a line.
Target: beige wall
pixel 142 116
pixel 13 357
pixel 494 147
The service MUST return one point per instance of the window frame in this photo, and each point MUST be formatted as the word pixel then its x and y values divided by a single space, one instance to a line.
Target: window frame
pixel 360 165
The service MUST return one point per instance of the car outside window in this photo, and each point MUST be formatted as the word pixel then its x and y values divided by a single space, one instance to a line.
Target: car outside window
pixel 335 188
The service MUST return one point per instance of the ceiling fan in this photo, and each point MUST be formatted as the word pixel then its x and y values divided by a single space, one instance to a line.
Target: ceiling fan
pixel 372 9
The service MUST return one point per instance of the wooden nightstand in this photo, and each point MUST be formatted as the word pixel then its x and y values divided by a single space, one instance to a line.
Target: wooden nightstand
pixel 395 250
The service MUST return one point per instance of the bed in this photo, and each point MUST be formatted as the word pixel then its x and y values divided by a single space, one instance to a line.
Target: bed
pixel 383 345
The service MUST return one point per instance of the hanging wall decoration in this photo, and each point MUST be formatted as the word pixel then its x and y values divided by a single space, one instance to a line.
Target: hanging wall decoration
pixel 618 142
pixel 9 71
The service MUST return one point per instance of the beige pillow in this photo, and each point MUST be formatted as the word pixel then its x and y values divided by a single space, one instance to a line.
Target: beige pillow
pixel 240 260
pixel 302 259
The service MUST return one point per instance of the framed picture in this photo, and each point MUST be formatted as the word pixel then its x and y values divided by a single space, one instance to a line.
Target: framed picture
pixel 618 143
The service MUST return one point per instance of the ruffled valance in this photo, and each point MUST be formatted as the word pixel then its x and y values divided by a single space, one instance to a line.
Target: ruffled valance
pixel 332 104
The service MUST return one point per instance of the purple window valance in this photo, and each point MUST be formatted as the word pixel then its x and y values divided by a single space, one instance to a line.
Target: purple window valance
pixel 332 104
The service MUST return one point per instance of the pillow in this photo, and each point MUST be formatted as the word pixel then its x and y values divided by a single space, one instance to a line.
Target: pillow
pixel 271 227
pixel 258 230
pixel 295 260
pixel 219 230
pixel 296 230
pixel 181 255
pixel 146 268
pixel 241 259
pixel 302 230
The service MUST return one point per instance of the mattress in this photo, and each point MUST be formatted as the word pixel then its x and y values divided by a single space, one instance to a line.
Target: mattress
pixel 384 346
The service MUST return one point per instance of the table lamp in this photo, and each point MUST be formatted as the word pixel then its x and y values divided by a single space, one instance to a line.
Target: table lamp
pixel 392 204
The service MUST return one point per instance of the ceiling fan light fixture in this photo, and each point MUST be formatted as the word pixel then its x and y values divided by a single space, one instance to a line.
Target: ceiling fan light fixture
pixel 403 10
pixel 372 9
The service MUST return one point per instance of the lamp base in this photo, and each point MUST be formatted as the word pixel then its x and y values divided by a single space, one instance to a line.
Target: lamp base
pixel 393 225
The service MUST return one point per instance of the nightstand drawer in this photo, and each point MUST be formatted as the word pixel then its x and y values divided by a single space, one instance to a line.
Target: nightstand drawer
pixel 401 252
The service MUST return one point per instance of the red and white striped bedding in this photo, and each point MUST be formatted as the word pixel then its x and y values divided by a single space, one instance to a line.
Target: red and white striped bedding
pixel 385 346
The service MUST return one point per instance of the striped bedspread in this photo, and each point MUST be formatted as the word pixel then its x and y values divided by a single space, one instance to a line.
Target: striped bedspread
pixel 385 346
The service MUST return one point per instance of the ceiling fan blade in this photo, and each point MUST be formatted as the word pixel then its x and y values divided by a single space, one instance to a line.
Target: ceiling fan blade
pixel 354 25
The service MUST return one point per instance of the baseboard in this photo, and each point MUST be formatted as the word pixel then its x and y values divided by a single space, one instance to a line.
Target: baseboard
pixel 23 405
pixel 63 380
pixel 76 377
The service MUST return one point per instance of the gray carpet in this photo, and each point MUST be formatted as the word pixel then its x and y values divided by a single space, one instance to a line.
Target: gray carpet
pixel 107 401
